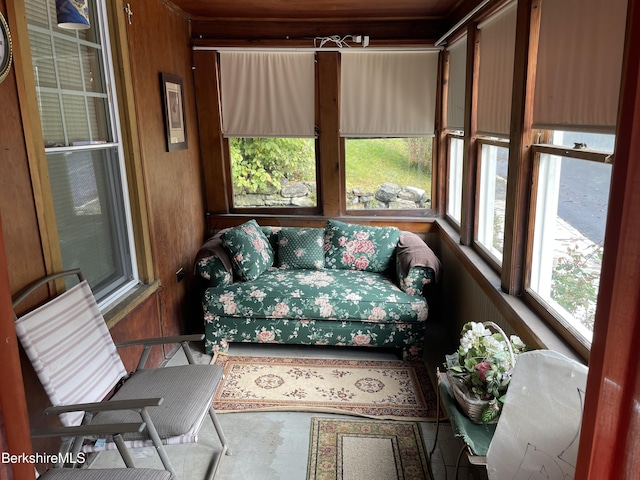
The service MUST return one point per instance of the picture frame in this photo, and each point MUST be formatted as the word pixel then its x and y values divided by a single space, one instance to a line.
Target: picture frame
pixel 173 107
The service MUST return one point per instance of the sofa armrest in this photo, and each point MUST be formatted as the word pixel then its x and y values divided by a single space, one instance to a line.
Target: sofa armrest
pixel 416 264
pixel 214 272
pixel 416 279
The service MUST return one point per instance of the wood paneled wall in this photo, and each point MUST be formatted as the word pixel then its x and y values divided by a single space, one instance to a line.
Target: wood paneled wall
pixel 172 184
pixel 174 179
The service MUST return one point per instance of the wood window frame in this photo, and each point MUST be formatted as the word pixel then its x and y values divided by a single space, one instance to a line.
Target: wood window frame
pixel 37 159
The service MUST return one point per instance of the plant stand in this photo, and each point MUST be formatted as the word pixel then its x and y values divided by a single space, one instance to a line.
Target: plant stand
pixel 475 437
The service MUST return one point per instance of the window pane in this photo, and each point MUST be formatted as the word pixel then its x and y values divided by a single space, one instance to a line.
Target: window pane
pixel 454 190
pixel 273 172
pixel 88 185
pixel 592 141
pixel 494 162
pixel 570 219
pixel 90 216
pixel 388 173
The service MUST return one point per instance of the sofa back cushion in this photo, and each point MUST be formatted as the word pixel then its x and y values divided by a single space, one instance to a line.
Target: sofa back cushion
pixel 249 250
pixel 356 247
pixel 301 248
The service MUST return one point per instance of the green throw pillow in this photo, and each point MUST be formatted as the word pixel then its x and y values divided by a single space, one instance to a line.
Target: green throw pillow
pixel 249 250
pixel 357 247
pixel 301 248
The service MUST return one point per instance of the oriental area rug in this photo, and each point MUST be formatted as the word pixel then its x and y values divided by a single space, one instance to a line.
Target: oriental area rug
pixel 342 449
pixel 382 389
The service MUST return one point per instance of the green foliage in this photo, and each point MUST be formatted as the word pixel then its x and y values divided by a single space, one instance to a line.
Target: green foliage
pixel 484 363
pixel 575 280
pixel 260 164
pixel 374 161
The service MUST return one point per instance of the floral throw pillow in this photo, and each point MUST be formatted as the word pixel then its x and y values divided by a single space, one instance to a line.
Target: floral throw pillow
pixel 301 248
pixel 249 250
pixel 357 247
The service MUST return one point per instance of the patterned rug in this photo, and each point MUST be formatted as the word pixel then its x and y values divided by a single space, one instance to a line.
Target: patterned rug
pixel 366 450
pixel 383 389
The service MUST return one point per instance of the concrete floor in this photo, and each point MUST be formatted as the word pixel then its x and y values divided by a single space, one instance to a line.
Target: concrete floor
pixel 274 445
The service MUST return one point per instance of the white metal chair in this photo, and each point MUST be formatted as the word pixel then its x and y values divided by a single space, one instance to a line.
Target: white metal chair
pixel 72 352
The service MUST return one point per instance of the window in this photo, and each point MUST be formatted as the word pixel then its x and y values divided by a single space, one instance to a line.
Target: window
pixel 83 148
pixel 454 180
pixel 388 173
pixel 570 217
pixel 389 140
pixel 273 172
pixel 494 162
pixel 268 115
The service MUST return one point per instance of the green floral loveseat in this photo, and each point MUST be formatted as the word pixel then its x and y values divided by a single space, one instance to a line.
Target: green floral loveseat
pixel 339 285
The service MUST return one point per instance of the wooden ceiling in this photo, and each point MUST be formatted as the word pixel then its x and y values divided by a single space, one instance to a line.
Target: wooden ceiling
pixel 403 21
pixel 327 9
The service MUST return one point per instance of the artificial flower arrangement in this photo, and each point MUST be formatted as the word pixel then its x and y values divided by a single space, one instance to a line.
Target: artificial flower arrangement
pixel 483 364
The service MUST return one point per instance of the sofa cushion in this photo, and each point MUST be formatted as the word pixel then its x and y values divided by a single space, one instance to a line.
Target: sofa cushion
pixel 249 250
pixel 339 295
pixel 301 248
pixel 356 247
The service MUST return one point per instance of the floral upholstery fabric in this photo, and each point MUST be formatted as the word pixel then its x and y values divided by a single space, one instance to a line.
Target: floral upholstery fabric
pixel 249 250
pixel 329 307
pixel 357 247
pixel 344 303
pixel 212 270
pixel 301 248
pixel 415 280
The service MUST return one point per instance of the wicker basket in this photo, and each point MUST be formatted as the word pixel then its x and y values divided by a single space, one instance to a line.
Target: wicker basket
pixel 470 403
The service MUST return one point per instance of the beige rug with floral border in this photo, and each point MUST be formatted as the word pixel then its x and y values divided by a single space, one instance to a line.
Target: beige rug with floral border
pixel 342 449
pixel 382 389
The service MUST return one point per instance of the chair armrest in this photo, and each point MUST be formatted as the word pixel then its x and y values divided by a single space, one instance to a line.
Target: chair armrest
pixel 89 430
pixel 162 340
pixel 135 404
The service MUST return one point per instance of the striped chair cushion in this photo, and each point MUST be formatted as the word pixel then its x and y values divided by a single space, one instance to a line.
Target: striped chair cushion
pixel 106 474
pixel 71 350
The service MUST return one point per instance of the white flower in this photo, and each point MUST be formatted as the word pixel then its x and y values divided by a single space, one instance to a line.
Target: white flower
pixel 517 342
pixel 494 344
pixel 479 329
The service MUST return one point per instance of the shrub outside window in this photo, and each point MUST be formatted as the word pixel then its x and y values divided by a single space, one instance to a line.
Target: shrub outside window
pixel 388 173
pixel 273 172
pixel 570 218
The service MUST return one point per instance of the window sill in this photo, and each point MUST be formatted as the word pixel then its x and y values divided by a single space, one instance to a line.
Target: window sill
pixel 134 298
pixel 523 319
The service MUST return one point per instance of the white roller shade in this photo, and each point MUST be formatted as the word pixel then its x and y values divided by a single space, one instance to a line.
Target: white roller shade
pixel 388 94
pixel 579 65
pixel 456 85
pixel 495 75
pixel 267 94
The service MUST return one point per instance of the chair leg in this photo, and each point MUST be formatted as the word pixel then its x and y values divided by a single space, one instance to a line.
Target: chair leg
pixel 221 435
pixel 124 451
pixel 157 442
pixel 217 458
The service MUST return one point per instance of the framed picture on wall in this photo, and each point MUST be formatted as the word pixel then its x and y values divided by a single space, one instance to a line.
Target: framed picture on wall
pixel 173 103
